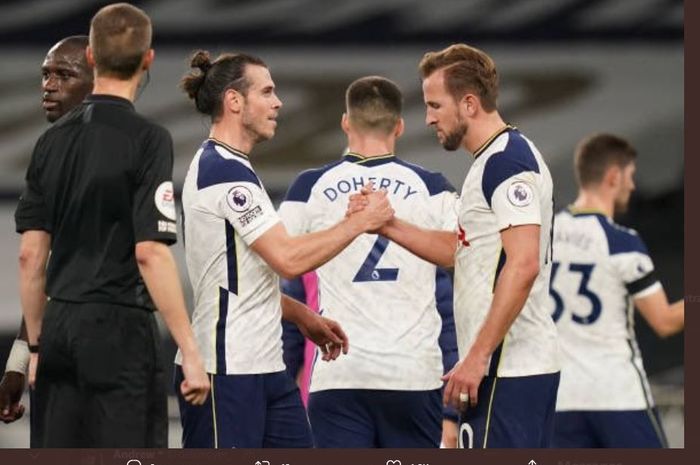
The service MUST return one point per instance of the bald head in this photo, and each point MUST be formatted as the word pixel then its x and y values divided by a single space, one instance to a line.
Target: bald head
pixel 66 77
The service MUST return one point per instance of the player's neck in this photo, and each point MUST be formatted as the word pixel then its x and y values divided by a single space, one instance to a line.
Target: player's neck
pixel 593 201
pixel 369 147
pixel 117 87
pixel 481 131
pixel 232 135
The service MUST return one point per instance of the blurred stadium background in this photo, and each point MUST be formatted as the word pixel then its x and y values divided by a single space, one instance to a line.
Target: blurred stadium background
pixel 567 68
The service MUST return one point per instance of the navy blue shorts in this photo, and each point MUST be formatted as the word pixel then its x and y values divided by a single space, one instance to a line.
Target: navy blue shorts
pixel 622 429
pixel 370 418
pixel 511 412
pixel 250 411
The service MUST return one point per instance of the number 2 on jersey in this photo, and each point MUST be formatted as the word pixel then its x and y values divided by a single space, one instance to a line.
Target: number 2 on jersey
pixel 369 272
pixel 583 290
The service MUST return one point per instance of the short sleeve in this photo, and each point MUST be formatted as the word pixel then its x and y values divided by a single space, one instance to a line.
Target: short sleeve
pixel 446 205
pixel 442 200
pixel 246 205
pixel 516 201
pixel 153 209
pixel 31 213
pixel 294 208
pixel 630 257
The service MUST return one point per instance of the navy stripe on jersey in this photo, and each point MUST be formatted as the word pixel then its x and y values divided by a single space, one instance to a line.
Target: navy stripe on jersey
pixel 221 332
pixel 435 182
pixel 642 283
pixel 621 240
pixel 516 158
pixel 215 169
pixel 231 258
pixel 300 190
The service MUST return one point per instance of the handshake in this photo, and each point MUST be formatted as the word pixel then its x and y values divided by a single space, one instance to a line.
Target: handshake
pixel 369 210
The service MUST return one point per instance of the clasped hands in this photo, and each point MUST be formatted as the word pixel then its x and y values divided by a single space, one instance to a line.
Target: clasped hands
pixel 371 207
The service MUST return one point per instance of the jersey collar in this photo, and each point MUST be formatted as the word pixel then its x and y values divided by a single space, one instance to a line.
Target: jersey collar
pixel 356 158
pixel 227 147
pixel 585 211
pixel 490 140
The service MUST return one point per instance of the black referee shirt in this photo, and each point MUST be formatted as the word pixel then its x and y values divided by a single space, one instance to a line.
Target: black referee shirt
pixel 99 181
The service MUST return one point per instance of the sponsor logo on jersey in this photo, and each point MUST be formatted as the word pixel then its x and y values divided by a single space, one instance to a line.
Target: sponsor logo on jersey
pixel 239 198
pixel 248 218
pixel 165 200
pixel 520 194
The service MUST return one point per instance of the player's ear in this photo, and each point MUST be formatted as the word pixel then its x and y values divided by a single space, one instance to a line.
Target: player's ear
pixel 345 123
pixel 148 58
pixel 470 104
pixel 89 57
pixel 613 176
pixel 233 101
pixel 398 130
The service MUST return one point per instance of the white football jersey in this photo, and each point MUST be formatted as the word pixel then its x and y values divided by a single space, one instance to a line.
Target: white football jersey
pixel 237 313
pixel 599 267
pixel 381 294
pixel 507 185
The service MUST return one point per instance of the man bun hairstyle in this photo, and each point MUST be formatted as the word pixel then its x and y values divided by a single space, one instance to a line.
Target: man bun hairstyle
pixel 208 80
pixel 120 36
pixel 467 70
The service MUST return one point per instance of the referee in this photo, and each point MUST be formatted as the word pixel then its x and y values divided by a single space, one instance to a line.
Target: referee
pixel 99 197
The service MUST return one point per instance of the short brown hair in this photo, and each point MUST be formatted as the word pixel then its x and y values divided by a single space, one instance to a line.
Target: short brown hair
pixel 467 69
pixel 120 35
pixel 374 103
pixel 598 152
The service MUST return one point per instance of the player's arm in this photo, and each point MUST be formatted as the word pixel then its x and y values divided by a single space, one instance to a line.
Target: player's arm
pixel 153 215
pixel 636 269
pixel 435 246
pixel 159 272
pixel 33 255
pixel 292 256
pixel 664 318
pixel 521 245
pixel 324 332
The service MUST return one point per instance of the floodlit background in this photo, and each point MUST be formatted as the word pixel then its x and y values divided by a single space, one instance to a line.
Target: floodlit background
pixel 568 68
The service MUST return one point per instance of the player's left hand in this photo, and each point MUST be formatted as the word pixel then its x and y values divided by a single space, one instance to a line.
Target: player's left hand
pixel 328 335
pixel 464 377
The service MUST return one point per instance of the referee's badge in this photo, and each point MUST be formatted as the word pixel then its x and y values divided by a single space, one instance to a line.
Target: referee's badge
pixel 520 194
pixel 239 198
pixel 165 200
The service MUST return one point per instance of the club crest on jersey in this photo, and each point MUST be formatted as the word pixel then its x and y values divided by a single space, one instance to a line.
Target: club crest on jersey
pixel 239 198
pixel 165 200
pixel 520 194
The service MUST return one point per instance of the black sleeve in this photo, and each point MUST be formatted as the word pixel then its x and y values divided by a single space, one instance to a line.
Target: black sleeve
pixel 153 212
pixel 31 213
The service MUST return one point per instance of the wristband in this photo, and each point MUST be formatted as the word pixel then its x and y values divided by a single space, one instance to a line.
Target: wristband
pixel 18 360
pixel 33 348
